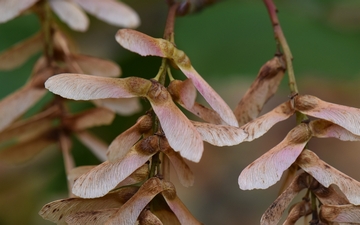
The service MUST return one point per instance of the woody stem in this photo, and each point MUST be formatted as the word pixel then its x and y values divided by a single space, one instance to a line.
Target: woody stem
pixel 281 40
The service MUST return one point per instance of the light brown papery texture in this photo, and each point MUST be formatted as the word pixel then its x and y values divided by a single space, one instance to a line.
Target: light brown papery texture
pixel 18 54
pixel 148 218
pixel 220 135
pixel 180 210
pixel 146 45
pixel 13 8
pixel 24 129
pixel 183 171
pixel 96 146
pixel 273 214
pixel 57 211
pixel 95 217
pixel 89 118
pixel 113 12
pixel 179 131
pixel 268 169
pixel 106 176
pixel 347 117
pixel 327 175
pixel 299 210
pixel 261 90
pixel 326 129
pixel 122 106
pixel 71 14
pixel 96 66
pixel 131 210
pixel 262 124
pixel 123 142
pixel 15 104
pixel 86 87
pixel 341 213
pixel 26 150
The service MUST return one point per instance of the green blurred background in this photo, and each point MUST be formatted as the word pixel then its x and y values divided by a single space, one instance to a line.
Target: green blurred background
pixel 227 44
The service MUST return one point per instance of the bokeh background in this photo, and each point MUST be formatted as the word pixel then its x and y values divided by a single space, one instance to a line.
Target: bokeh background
pixel 227 43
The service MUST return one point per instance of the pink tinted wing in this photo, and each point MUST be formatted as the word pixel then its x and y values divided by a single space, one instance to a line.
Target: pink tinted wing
pixel 261 90
pixel 113 12
pixel 103 178
pixel 96 66
pixel 262 124
pixel 9 9
pixel 220 135
pixel 123 142
pixel 71 14
pixel 345 116
pixel 86 87
pixel 140 43
pixel 267 170
pixel 122 106
pixel 326 129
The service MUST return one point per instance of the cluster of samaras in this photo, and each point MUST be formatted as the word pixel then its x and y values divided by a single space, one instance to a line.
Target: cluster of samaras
pixel 128 188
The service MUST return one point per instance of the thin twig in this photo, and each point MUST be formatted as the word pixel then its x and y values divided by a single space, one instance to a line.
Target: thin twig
pixel 279 36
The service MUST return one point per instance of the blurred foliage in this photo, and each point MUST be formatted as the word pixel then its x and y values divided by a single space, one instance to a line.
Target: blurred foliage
pixel 227 43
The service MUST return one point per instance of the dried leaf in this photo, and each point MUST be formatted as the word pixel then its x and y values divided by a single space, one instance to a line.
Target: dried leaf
pixel 85 87
pixel 11 9
pixel 261 90
pixel 18 54
pixel 71 14
pixel 347 117
pixel 96 66
pixel 123 142
pixel 57 211
pixel 341 213
pixel 262 124
pixel 220 135
pixel 125 106
pixel 25 151
pixel 131 210
pixel 327 175
pixel 183 171
pixel 273 214
pixel 146 45
pixel 15 104
pixel 89 118
pixel 113 12
pixel 179 209
pixel 97 146
pixel 267 170
pixel 106 176
pixel 175 124
pixel 326 129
